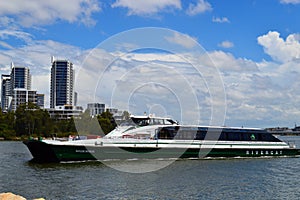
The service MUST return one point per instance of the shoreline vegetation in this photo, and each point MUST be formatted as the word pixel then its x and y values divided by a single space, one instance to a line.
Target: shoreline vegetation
pixel 30 121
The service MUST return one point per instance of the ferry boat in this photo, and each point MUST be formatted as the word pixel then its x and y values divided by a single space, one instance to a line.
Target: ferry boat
pixel 150 137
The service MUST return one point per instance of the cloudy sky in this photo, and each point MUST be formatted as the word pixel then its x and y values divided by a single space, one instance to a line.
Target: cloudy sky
pixel 247 72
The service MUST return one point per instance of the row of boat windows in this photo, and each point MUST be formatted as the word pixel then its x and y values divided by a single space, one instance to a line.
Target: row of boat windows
pixel 152 121
pixel 178 134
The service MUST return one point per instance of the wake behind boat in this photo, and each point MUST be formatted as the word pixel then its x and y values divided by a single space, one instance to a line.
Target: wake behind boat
pixel 153 137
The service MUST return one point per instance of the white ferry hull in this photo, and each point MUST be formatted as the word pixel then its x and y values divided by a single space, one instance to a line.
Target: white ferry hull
pixel 47 151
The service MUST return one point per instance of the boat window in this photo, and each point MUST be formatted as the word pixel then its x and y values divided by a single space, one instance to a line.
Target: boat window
pixel 154 121
pixel 186 133
pixel 269 137
pixel 245 136
pixel 266 137
pixel 200 135
pixel 167 133
pixel 223 136
pixel 169 121
pixel 141 122
pixel 233 136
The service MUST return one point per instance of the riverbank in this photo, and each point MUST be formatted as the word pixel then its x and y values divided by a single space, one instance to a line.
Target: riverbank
pixel 13 139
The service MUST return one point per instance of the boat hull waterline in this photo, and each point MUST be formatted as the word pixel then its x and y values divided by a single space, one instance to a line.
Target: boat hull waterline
pixel 47 152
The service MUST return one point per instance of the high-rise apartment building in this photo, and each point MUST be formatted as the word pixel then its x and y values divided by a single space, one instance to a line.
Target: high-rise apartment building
pixel 5 91
pixel 19 78
pixel 62 83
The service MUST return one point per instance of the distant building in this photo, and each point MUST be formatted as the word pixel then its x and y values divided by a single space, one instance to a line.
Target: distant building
pixel 41 100
pixel 296 128
pixel 62 83
pixel 5 91
pixel 65 112
pixel 16 88
pixel 22 96
pixel 20 78
pixel 112 110
pixel 95 108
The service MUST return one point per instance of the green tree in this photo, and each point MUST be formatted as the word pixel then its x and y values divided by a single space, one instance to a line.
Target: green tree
pixel 31 120
pixel 24 119
pixel 7 121
pixel 63 127
pixel 106 122
pixel 44 124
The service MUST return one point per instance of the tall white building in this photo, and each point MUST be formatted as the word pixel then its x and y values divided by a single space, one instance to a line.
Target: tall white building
pixel 62 83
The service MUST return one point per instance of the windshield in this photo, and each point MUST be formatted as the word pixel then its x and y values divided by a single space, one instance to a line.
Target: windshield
pixel 153 121
pixel 141 121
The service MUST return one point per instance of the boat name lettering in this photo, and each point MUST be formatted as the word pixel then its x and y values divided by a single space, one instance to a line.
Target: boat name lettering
pixel 84 151
pixel 264 152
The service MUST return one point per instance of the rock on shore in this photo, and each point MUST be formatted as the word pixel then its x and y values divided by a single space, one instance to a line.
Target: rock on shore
pixel 11 196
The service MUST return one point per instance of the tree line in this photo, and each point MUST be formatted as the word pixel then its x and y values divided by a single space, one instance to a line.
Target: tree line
pixel 31 121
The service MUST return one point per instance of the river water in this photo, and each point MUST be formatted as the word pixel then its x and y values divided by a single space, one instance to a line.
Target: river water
pixel 256 178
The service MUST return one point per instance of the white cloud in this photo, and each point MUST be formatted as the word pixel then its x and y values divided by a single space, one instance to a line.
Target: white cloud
pixel 182 40
pixel 279 49
pixel 5 34
pixel 37 54
pixel 267 96
pixel 290 1
pixel 147 7
pixel 227 63
pixel 226 44
pixel 220 20
pixel 201 7
pixel 7 22
pixel 36 12
pixel 150 57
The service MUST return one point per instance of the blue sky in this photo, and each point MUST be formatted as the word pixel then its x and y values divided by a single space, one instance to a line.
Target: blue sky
pixel 254 44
